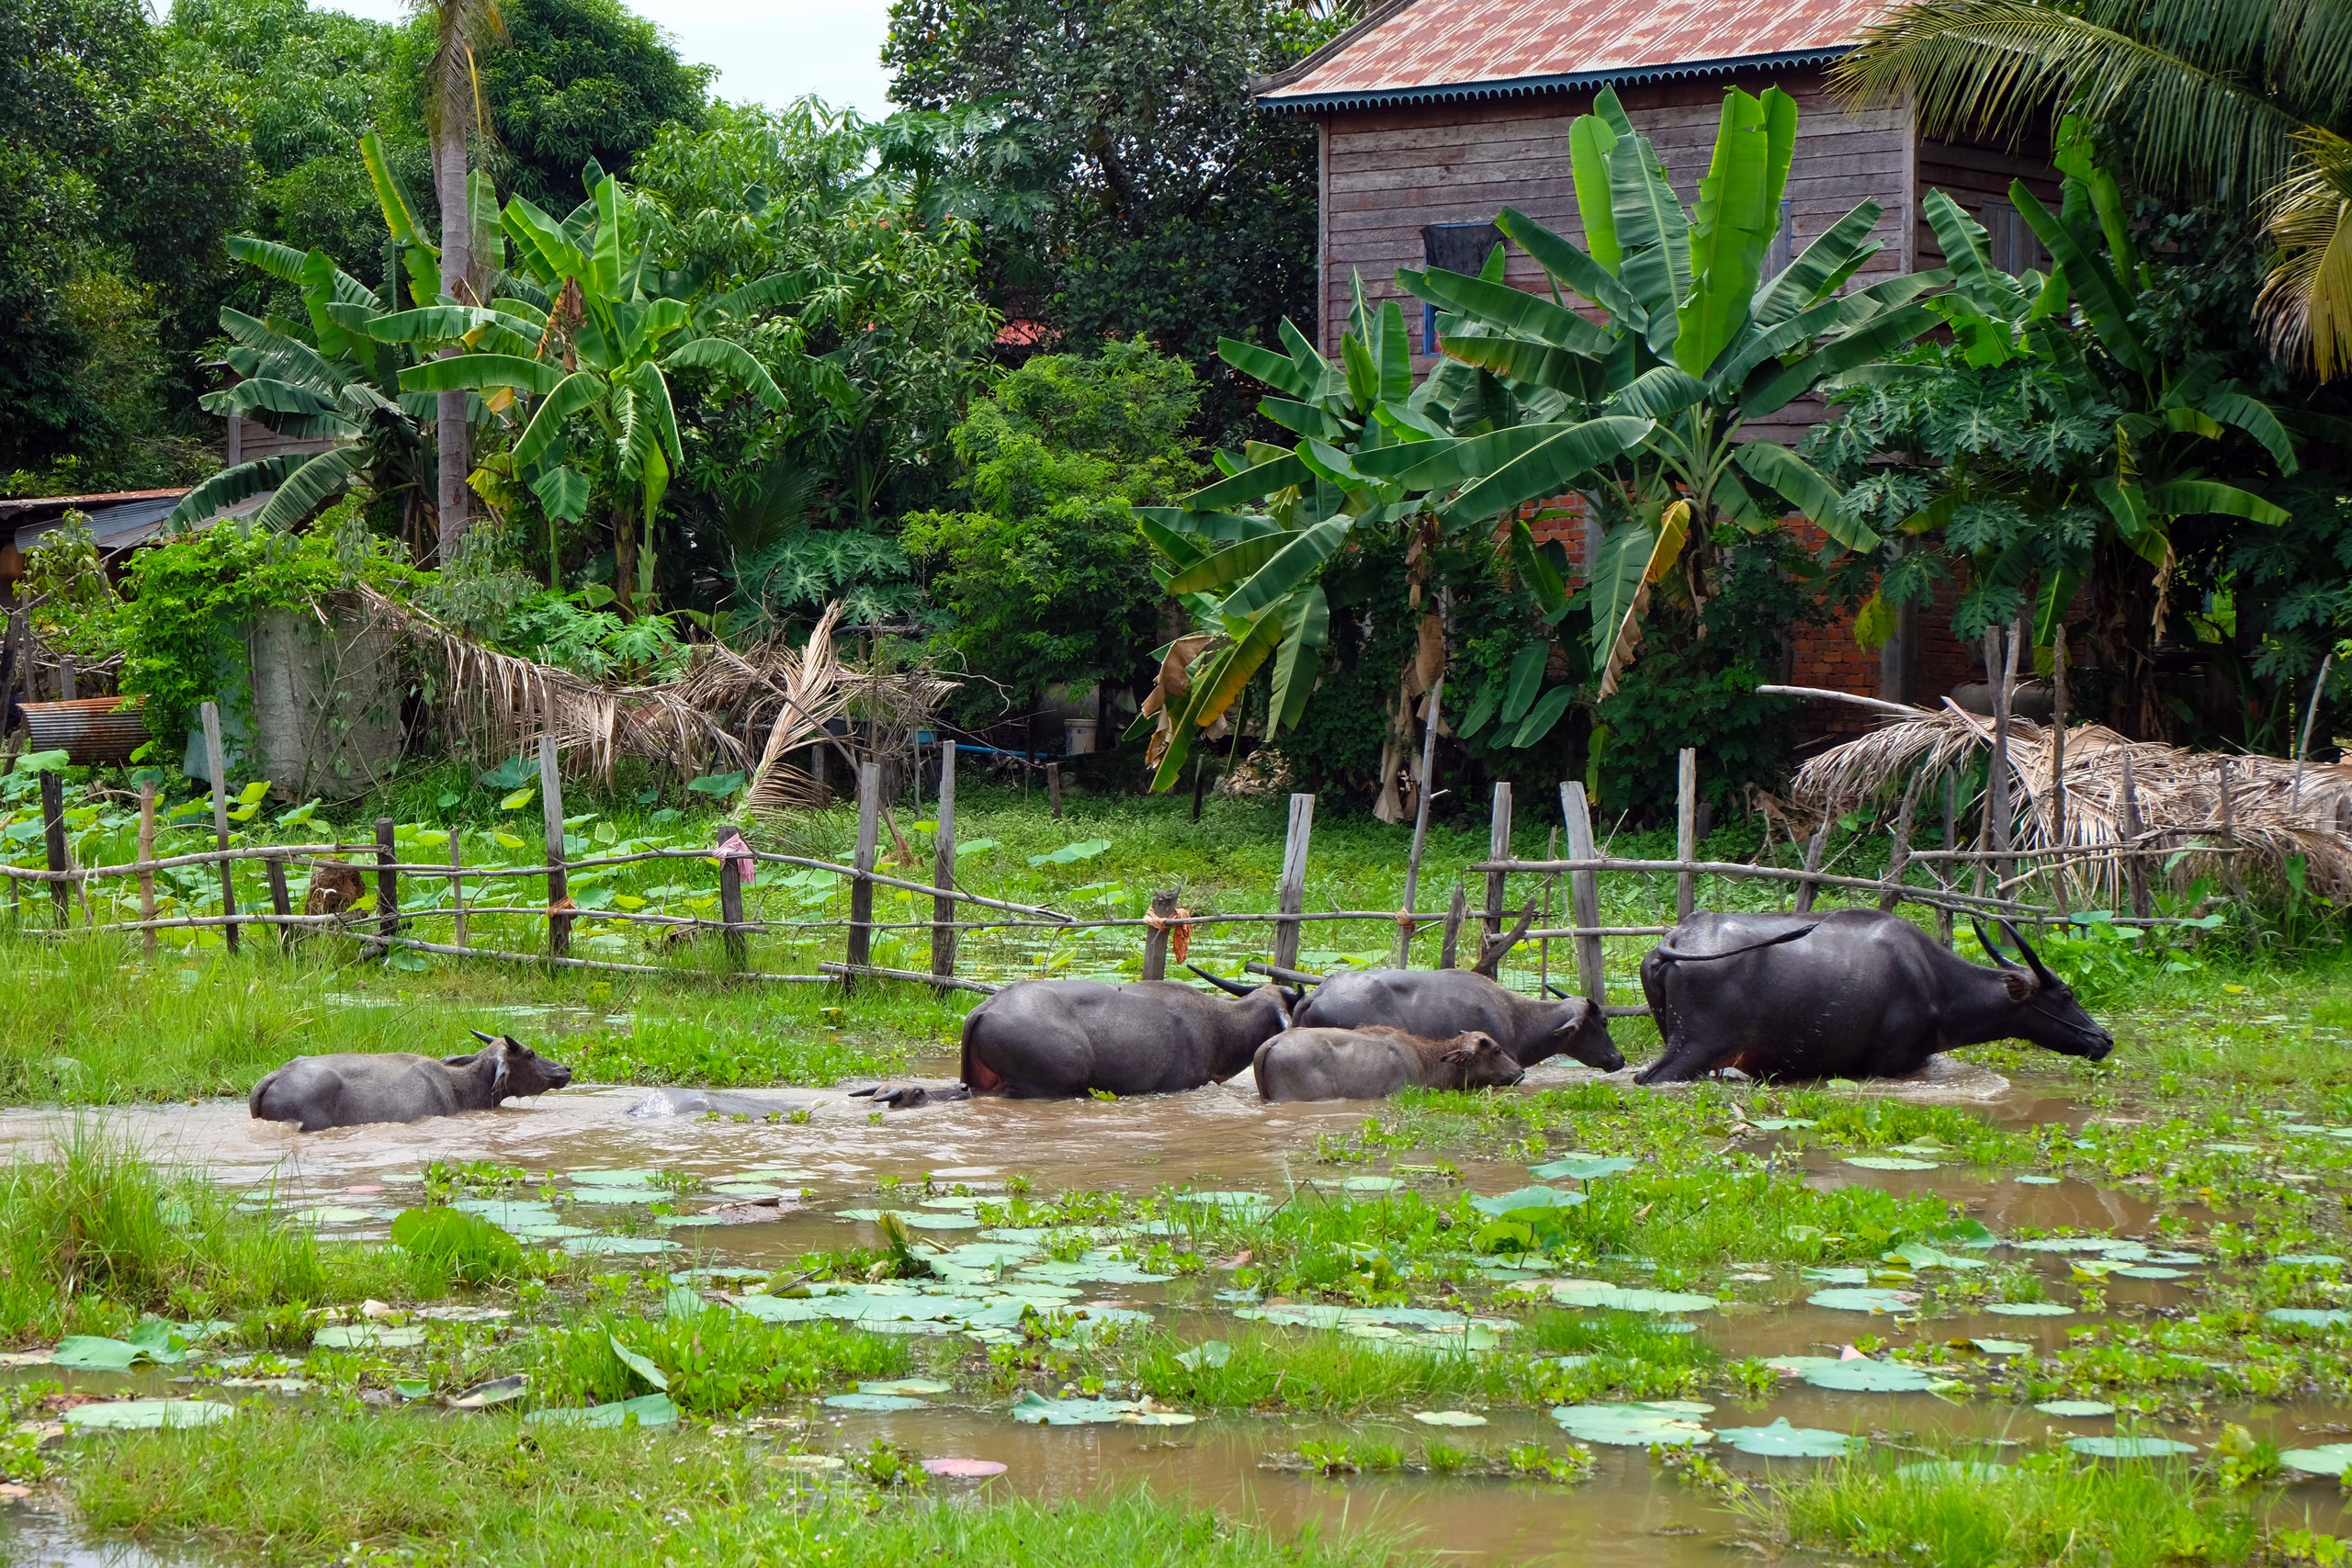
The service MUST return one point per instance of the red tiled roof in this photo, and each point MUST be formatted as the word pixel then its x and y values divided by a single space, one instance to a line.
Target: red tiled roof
pixel 1444 49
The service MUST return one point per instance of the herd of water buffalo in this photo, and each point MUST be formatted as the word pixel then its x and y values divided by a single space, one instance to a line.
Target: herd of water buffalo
pixel 1849 994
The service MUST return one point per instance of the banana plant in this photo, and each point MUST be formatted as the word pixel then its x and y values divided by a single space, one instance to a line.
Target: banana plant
pixel 1684 333
pixel 586 367
pixel 327 379
pixel 1247 554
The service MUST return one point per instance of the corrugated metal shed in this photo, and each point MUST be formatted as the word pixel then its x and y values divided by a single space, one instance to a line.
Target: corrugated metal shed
pixel 1421 51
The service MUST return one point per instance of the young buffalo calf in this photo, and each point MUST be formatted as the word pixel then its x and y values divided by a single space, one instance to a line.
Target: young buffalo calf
pixel 1374 1063
pixel 316 1092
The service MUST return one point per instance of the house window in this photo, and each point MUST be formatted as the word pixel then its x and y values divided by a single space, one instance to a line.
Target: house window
pixel 1457 247
pixel 2015 247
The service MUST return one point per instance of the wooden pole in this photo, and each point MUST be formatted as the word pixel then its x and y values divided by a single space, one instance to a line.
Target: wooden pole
pixel 1550 896
pixel 559 880
pixel 2059 833
pixel 1155 938
pixel 1686 830
pixel 1054 788
pixel 52 831
pixel 943 872
pixel 458 885
pixel 730 909
pixel 216 759
pixel 1815 847
pixel 1951 841
pixel 2135 869
pixel 1497 848
pixel 1200 781
pixel 146 856
pixel 1996 779
pixel 388 880
pixel 1420 826
pixel 69 684
pixel 1450 948
pixel 861 888
pixel 1291 894
pixel 1898 857
pixel 280 902
pixel 2310 716
pixel 1584 891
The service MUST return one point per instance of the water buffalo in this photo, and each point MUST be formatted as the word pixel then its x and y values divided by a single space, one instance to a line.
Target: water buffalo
pixel 316 1092
pixel 1046 1039
pixel 1850 993
pixel 1439 1003
pixel 1373 1064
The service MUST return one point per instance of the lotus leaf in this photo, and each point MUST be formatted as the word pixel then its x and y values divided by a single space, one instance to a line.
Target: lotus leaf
pixel 507 1213
pixel 988 1254
pixel 1782 1124
pixel 546 1233
pixel 646 1410
pixel 1038 1411
pixel 1852 1298
pixel 2075 1409
pixel 1781 1440
pixel 1799 1365
pixel 335 1215
pixel 2071 1244
pixel 874 1402
pixel 808 1463
pixel 2129 1447
pixel 611 1178
pixel 2002 1347
pixel 2308 1260
pixel 2034 1181
pixel 1207 1353
pixel 1584 1167
pixel 1242 1205
pixel 1668 1423
pixel 1625 1298
pixel 2148 1271
pixel 614 1195
pixel 1839 1276
pixel 2334 1458
pixel 643 1366
pixel 2029 1309
pixel 1527 1198
pixel 91 1352
pixel 905 1385
pixel 366 1337
pixel 1448 1418
pixel 2313 1317
pixel 1975 1472
pixel 146 1415
pixel 1372 1184
pixel 594 1245
pixel 1919 1255
pixel 2234 1148
pixel 1866 1376
pixel 412 1388
pixel 1888 1162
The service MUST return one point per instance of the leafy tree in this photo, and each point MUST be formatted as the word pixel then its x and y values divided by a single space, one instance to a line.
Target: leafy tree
pixel 579 83
pixel 1171 206
pixel 1043 577
pixel 2244 100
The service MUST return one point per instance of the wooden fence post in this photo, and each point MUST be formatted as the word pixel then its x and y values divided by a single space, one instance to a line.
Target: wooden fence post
pixel 216 759
pixel 2061 836
pixel 1686 831
pixel 861 888
pixel 943 872
pixel 1584 890
pixel 1450 948
pixel 559 880
pixel 1951 841
pixel 1997 776
pixel 69 683
pixel 52 831
pixel 1551 896
pixel 1290 895
pixel 731 909
pixel 2135 869
pixel 1898 858
pixel 1420 829
pixel 1155 937
pixel 1809 890
pixel 280 904
pixel 1497 848
pixel 388 882
pixel 457 887
pixel 146 865
pixel 1054 788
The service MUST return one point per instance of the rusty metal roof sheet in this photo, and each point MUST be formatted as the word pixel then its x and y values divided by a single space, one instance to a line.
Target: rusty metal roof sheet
pixel 1417 50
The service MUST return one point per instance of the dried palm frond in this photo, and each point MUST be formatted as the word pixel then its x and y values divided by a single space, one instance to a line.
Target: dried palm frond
pixel 1165 702
pixel 2271 819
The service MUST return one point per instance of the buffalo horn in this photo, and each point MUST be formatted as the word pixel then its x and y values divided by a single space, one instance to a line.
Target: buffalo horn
pixel 1556 988
pixel 2031 957
pixel 485 1039
pixel 1985 939
pixel 1221 983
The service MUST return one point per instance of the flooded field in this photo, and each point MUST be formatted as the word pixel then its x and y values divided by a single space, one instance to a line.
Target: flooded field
pixel 1580 1323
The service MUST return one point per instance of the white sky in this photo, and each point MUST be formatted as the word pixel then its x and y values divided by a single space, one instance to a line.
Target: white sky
pixel 768 52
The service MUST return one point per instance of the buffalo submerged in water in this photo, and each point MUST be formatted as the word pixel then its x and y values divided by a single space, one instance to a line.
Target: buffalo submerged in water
pixel 1060 1039
pixel 1850 993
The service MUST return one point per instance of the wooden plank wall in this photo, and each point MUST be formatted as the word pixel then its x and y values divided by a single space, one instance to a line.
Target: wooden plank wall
pixel 1975 176
pixel 1386 173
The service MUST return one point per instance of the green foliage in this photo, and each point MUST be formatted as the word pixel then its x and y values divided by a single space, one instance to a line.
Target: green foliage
pixel 1044 578
pixel 577 83
pixel 466 1247
pixel 73 602
pixel 564 630
pixel 713 1362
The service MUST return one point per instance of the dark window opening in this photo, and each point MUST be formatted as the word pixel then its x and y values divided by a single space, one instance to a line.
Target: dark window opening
pixel 1457 247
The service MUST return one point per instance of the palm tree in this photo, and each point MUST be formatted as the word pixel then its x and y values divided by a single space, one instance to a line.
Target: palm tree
pixel 453 109
pixel 2243 100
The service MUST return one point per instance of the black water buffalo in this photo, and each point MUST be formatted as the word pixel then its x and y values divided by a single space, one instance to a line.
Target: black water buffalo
pixel 316 1092
pixel 1850 993
pixel 1047 1039
pixel 1373 1064
pixel 1439 1003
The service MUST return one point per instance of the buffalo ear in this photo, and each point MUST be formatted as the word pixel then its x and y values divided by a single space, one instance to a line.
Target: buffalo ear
pixel 2020 984
pixel 1459 1056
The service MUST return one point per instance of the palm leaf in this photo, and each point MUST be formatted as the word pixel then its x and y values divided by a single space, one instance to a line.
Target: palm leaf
pixel 2186 498
pixel 1551 468
pixel 575 394
pixel 1580 272
pixel 1276 370
pixel 483 372
pixel 1802 484
pixel 727 359
pixel 1301 555
pixel 1632 556
pixel 229 486
pixel 1305 632
pixel 312 488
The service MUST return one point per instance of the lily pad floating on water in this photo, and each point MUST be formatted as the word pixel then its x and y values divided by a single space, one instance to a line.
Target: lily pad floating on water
pixel 1888 1162
pixel 1855 1299
pixel 1668 1423
pixel 2150 1271
pixel 1241 1205
pixel 965 1469
pixel 646 1410
pixel 1866 1376
pixel 2308 1260
pixel 1527 1198
pixel 810 1463
pixel 2129 1447
pixel 610 1177
pixel 1448 1418
pixel 1584 1167
pixel 641 1365
pixel 2310 1317
pixel 1782 1124
pixel 96 1353
pixel 1919 1255
pixel 2331 1460
pixel 1036 1410
pixel 916 1219
pixel 2034 1181
pixel 366 1337
pixel 1781 1440
pixel 1207 1353
pixel 596 1245
pixel 2075 1409
pixel 2234 1148
pixel 146 1415
pixel 874 1402
pixel 1372 1184
pixel 2002 1347
pixel 1839 1276
pixel 905 1386
pixel 2029 1309
pixel 1628 1298
pixel 614 1195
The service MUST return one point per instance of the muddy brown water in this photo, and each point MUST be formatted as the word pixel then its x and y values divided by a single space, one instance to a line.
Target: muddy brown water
pixel 1630 1513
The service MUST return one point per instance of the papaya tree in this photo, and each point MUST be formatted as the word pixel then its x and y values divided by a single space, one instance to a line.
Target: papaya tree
pixel 585 369
pixel 1679 329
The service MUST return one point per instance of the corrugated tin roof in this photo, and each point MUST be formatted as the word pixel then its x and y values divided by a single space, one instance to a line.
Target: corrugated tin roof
pixel 1423 50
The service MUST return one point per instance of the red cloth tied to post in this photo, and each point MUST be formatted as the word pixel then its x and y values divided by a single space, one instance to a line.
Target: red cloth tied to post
pixel 1178 928
pixel 730 846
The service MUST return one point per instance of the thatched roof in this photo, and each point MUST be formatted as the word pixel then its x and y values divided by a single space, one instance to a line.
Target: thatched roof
pixel 2271 817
